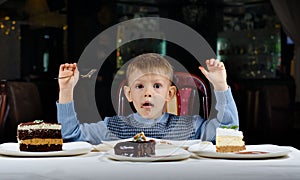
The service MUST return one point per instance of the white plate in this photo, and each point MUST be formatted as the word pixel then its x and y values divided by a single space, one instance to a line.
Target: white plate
pixel 69 149
pixel 184 144
pixel 161 154
pixel 258 152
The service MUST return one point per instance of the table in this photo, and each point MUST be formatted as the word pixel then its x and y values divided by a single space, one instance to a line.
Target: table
pixel 95 165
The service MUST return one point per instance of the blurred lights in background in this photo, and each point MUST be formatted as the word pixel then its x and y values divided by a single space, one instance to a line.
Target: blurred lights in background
pixel 7 26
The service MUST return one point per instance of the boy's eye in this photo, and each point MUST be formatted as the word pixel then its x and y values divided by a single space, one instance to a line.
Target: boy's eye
pixel 157 85
pixel 139 86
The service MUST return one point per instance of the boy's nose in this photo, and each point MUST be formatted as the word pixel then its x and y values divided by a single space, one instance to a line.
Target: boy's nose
pixel 148 93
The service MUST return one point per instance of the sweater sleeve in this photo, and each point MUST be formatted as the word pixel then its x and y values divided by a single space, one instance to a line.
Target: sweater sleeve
pixel 226 114
pixel 72 130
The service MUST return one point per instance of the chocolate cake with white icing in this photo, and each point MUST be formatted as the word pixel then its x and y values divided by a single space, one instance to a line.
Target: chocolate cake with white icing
pixel 39 136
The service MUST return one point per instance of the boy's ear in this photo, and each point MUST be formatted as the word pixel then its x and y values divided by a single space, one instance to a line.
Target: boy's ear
pixel 127 93
pixel 172 92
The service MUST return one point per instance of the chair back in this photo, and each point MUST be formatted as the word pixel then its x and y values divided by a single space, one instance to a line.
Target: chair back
pixel 25 103
pixel 3 104
pixel 192 97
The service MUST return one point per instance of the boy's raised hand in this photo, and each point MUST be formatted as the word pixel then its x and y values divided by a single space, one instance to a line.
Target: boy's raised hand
pixel 216 74
pixel 71 73
pixel 66 85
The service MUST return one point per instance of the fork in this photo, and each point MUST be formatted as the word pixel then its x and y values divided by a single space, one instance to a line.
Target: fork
pixel 88 75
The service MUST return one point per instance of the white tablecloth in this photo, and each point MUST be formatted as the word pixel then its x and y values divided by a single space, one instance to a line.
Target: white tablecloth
pixel 96 165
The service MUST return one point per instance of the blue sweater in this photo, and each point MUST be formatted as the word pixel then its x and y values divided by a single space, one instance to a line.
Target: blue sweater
pixel 167 126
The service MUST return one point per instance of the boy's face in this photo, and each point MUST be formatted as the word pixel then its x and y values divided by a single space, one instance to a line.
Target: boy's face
pixel 149 93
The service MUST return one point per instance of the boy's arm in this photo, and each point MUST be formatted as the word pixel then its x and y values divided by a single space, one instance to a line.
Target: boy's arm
pixel 227 113
pixel 72 130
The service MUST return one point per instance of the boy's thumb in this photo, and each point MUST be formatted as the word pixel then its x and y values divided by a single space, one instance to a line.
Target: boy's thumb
pixel 203 70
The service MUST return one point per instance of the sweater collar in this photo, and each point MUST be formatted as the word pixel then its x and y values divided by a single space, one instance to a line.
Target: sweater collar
pixel 162 119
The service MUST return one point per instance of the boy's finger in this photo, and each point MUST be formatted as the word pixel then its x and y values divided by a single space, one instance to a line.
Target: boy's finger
pixel 203 70
pixel 211 62
pixel 207 62
pixel 76 69
pixel 74 66
pixel 61 67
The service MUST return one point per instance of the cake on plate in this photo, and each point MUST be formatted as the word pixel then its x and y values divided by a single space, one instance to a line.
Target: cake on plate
pixel 39 136
pixel 229 139
pixel 138 147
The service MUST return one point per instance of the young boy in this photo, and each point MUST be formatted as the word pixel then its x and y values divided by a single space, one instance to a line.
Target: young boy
pixel 149 87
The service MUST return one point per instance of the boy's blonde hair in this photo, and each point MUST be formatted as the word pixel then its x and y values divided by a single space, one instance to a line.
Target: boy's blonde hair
pixel 150 63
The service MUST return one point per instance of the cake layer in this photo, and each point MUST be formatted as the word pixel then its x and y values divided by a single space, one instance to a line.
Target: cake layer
pixel 39 133
pixel 39 141
pixel 229 141
pixel 230 148
pixel 40 148
pixel 135 149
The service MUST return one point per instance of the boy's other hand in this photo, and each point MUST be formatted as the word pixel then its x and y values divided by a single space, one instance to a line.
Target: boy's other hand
pixel 216 74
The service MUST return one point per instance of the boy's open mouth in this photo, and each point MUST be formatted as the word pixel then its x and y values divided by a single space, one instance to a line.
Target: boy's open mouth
pixel 147 105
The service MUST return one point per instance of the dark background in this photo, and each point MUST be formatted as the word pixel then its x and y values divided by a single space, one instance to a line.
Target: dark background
pixel 84 20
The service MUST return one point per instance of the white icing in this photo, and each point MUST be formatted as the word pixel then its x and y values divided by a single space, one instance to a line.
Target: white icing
pixel 229 132
pixel 40 126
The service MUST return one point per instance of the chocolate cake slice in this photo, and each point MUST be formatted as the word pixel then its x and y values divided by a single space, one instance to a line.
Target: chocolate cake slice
pixel 39 136
pixel 138 147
